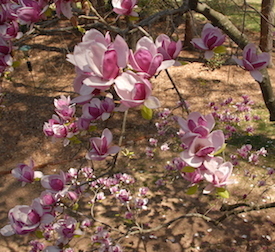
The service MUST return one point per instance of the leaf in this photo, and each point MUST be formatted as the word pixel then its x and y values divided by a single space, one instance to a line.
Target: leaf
pixel 220 50
pixel 184 63
pixel 16 63
pixel 81 29
pixel 131 18
pixel 48 12
pixel 75 206
pixel 92 128
pixel 74 140
pixel 78 5
pixel 146 113
pixel 222 192
pixel 192 190
pixel 220 150
pixel 188 169
pixel 39 234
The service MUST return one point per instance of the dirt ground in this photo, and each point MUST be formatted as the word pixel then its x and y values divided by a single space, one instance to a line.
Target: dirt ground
pixel 29 103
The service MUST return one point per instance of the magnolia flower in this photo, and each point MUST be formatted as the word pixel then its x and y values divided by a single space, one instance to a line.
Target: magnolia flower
pixel 5 56
pixel 253 62
pixel 217 174
pixel 124 7
pixel 55 182
pixel 97 109
pixel 201 149
pixel 9 30
pixel 25 219
pixel 64 7
pixel 99 60
pixel 168 48
pixel 211 37
pixel 30 12
pixel 146 58
pixel 66 229
pixel 26 173
pixel 193 177
pixel 101 146
pixel 64 108
pixel 135 90
pixel 195 125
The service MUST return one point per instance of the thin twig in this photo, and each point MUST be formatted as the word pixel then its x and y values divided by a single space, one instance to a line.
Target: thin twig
pixel 182 101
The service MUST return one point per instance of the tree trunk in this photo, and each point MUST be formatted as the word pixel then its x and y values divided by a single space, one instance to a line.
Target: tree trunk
pixel 267 21
pixel 240 39
pixel 189 32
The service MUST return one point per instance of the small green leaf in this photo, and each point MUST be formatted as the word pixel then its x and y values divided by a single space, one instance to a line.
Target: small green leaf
pixel 48 12
pixel 81 29
pixel 220 150
pixel 131 18
pixel 39 234
pixel 16 63
pixel 188 169
pixel 92 128
pixel 184 63
pixel 78 5
pixel 146 113
pixel 222 192
pixel 220 50
pixel 75 206
pixel 192 190
pixel 74 140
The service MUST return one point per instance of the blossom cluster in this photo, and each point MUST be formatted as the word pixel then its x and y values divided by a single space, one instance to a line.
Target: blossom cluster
pixel 212 39
pixel 233 115
pixel 108 73
pixel 14 13
pixel 201 146
pixel 47 213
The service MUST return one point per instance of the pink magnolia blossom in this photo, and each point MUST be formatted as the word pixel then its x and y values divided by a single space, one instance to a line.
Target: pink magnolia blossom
pixel 58 128
pixel 193 177
pixel 26 173
pixel 55 182
pixel 36 246
pixel 10 30
pixel 146 58
pixel 211 37
pixel 253 62
pixel 64 108
pixel 202 149
pixel 7 12
pixel 66 229
pixel 47 198
pixel 135 90
pixel 5 55
pixel 99 59
pixel 97 109
pixel 25 219
pixel 124 7
pixel 30 11
pixel 217 174
pixel 101 146
pixel 64 7
pixel 168 48
pixel 195 125
pixel 124 196
pixel 55 127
